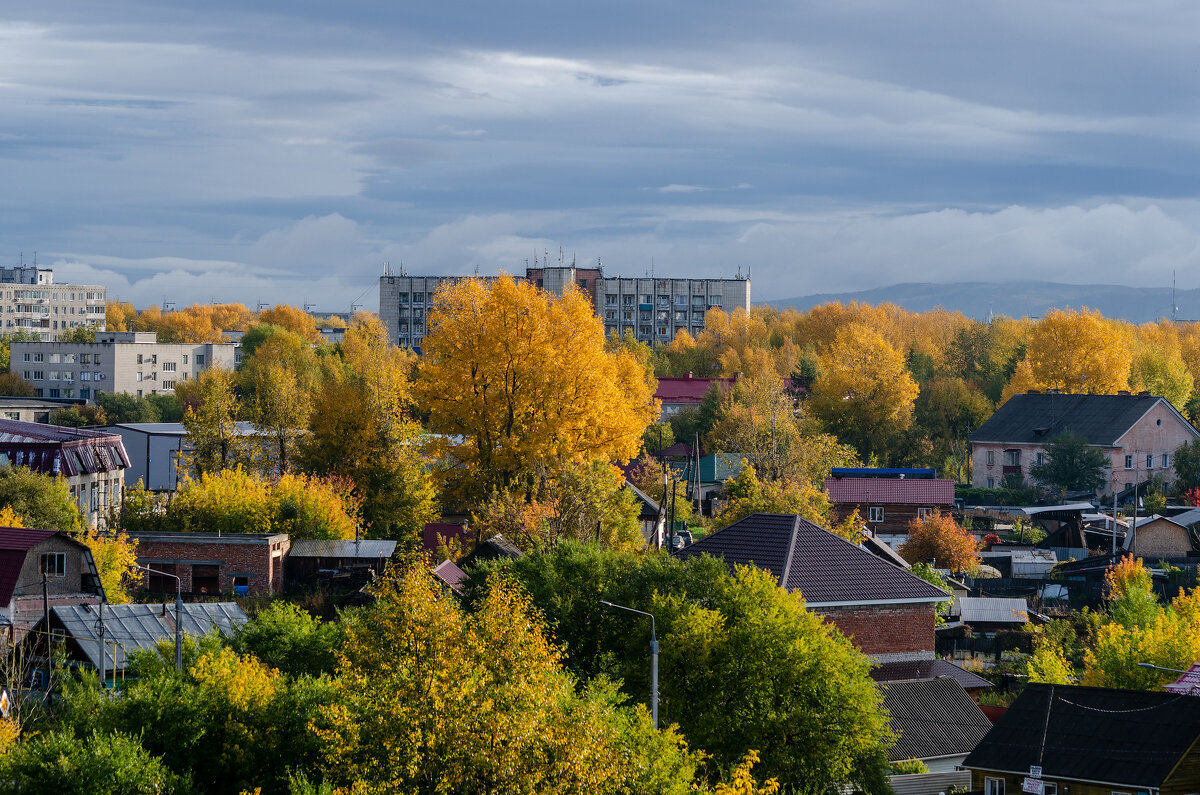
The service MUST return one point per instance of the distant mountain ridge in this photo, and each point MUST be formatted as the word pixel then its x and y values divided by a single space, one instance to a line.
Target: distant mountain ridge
pixel 1018 299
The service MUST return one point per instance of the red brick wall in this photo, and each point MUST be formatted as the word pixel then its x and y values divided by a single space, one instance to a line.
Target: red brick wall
pixel 886 629
pixel 252 559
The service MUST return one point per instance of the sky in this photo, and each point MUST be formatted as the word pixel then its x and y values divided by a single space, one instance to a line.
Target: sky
pixel 289 152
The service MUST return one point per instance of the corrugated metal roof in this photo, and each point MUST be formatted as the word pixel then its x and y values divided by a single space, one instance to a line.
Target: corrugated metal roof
pixel 825 569
pixel 934 717
pixel 884 491
pixel 320 548
pixel 452 575
pixel 992 610
pixel 905 670
pixel 56 450
pixel 128 628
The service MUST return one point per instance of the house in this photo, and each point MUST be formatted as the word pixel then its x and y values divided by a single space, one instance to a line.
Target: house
pixel 206 563
pixel 1138 435
pixel 92 463
pixel 1165 537
pixel 1091 740
pixel 25 556
pixel 27 409
pixel 887 611
pixel 988 615
pixel 450 575
pixel 311 558
pixel 130 628
pixel 887 500
pixel 935 720
pixel 687 393
pixel 652 517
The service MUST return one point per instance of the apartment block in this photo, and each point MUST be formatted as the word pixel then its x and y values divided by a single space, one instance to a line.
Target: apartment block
pixel 31 301
pixel 118 361
pixel 654 309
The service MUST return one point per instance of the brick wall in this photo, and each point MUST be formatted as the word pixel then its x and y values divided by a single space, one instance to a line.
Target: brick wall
pixel 896 517
pixel 257 558
pixel 887 632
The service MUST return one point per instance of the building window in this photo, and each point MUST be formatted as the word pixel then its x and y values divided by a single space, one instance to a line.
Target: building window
pixel 924 513
pixel 169 367
pixel 168 384
pixel 991 457
pixel 993 786
pixel 876 514
pixel 199 359
pixel 1012 458
pixel 54 393
pixel 1150 461
pixel 27 357
pixel 160 582
pixel 1129 462
pixel 37 357
pixel 185 358
pixel 12 415
pixel 1041 458
pixel 1166 460
pixel 139 377
pixel 611 300
pixel 1049 788
pixel 139 358
pixel 54 564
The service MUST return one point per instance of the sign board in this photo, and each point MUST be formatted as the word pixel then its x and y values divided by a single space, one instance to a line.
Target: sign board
pixel 4 703
pixel 1188 683
pixel 1033 785
pixel 1035 771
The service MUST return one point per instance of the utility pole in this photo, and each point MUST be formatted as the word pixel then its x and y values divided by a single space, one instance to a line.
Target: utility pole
pixel 100 643
pixel 46 633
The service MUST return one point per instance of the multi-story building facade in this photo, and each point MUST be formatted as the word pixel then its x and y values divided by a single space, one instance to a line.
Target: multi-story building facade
pixel 30 301
pixel 653 309
pixel 118 361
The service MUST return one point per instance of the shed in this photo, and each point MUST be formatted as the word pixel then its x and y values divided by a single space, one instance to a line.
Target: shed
pixel 310 558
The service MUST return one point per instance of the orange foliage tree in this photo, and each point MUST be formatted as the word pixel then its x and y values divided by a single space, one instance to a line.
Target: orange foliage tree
pixel 940 539
pixel 293 319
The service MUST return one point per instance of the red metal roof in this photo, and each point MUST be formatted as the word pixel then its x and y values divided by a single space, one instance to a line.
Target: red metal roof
pixel 889 491
pixel 15 544
pixel 688 389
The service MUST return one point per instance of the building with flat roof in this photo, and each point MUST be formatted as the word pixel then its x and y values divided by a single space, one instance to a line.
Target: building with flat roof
pixel 118 361
pixel 654 309
pixel 30 301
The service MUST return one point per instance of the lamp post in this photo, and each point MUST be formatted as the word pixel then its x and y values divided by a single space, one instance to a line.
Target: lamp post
pixel 1160 668
pixel 178 612
pixel 653 658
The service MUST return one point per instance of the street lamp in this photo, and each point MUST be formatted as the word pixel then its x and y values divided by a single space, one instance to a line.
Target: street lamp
pixel 178 611
pixel 653 658
pixel 1160 668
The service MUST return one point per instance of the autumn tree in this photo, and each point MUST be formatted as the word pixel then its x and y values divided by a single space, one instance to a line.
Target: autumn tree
pixel 1076 352
pixel 13 385
pixel 279 381
pixel 429 697
pixel 940 539
pixel 524 379
pixel 213 436
pixel 119 315
pixel 1071 464
pixel 293 319
pixel 362 430
pixel 745 494
pixel 79 416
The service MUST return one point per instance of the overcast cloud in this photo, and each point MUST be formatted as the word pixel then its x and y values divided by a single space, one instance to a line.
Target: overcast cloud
pixel 285 152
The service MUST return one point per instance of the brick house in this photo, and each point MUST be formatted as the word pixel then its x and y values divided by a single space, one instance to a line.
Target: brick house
pixel 1138 435
pixel 243 563
pixel 25 555
pixel 1092 741
pixel 887 500
pixel 888 612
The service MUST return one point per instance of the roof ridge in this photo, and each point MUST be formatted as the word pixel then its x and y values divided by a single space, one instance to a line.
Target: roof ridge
pixel 787 561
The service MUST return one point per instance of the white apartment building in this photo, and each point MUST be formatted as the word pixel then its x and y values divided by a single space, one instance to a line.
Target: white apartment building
pixel 31 301
pixel 118 361
pixel 653 308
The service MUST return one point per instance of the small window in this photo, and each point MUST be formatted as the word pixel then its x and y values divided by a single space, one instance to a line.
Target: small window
pixel 924 513
pixel 1040 458
pixel 991 483
pixel 1166 460
pixel 1150 461
pixel 54 564
pixel 1049 788
pixel 199 359
pixel 991 457
pixel 1129 462
pixel 1012 458
pixel 993 786
pixel 876 514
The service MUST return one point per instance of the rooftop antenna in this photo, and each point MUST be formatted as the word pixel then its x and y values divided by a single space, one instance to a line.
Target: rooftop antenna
pixel 739 271
pixel 309 307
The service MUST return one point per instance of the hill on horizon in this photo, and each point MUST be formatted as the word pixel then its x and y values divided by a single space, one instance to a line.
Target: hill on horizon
pixel 1017 299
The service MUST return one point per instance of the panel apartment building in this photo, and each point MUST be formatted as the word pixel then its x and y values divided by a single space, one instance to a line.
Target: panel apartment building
pixel 31 301
pixel 654 309
pixel 118 361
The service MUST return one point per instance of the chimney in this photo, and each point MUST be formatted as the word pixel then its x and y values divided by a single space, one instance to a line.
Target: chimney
pixel 689 375
pixel 1124 392
pixel 1144 393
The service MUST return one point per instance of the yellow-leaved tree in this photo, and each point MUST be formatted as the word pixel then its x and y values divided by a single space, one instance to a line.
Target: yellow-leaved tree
pixel 1078 352
pixel 516 379
pixel 864 393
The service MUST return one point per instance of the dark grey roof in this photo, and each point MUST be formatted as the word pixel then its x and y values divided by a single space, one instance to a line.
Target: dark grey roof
pixel 128 628
pixel 321 548
pixel 649 508
pixel 934 717
pixel 927 669
pixel 884 550
pixel 824 568
pixel 1037 419
pixel 492 549
pixel 1130 737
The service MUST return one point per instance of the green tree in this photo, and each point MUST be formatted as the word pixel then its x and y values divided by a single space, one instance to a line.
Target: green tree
pixel 41 501
pixel 79 416
pixel 744 665
pixel 1186 461
pixel 212 428
pixel 61 763
pixel 13 385
pixel 285 637
pixel 1071 465
pixel 79 334
pixel 122 407
pixel 746 494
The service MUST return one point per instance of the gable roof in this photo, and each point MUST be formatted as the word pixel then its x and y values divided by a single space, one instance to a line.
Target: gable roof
pixel 827 570
pixel 883 491
pixel 1133 737
pixel 15 543
pixel 903 670
pixel 688 389
pixel 128 628
pixel 450 575
pixel 1038 418
pixel 934 717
